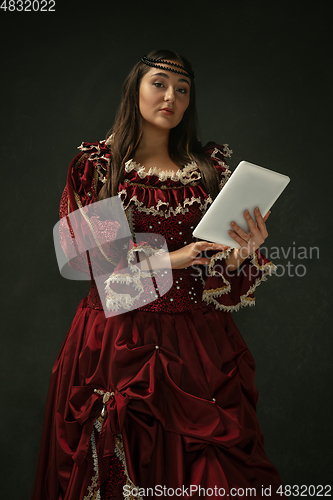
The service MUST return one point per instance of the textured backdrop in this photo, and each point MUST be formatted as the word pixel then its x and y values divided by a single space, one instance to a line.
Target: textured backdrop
pixel 263 81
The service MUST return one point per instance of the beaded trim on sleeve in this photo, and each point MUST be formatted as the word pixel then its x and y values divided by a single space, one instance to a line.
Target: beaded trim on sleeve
pixel 209 296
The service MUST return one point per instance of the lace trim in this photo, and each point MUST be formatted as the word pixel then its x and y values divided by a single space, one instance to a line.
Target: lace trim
pixel 218 256
pixel 129 217
pixel 217 292
pixel 225 175
pixel 115 301
pixel 145 186
pixel 93 490
pixel 171 211
pixel 96 156
pixel 101 175
pixel 97 145
pixel 147 250
pixel 120 452
pixel 185 175
pixel 109 140
pixel 209 296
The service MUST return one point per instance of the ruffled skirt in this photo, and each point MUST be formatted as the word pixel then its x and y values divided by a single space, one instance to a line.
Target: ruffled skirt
pixel 152 400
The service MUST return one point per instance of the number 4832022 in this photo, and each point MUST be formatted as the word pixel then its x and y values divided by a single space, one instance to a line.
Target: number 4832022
pixel 28 5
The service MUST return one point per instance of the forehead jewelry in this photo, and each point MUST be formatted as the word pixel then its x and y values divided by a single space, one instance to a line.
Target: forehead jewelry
pixel 157 64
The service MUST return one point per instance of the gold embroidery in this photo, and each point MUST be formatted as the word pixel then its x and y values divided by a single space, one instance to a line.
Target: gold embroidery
pixel 93 490
pixel 129 217
pixel 80 160
pixel 95 181
pixel 120 453
pixel 216 292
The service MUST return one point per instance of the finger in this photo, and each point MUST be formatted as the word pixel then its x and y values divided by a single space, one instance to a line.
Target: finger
pixel 267 215
pixel 218 246
pixel 239 231
pixel 261 223
pixel 201 246
pixel 201 261
pixel 258 215
pixel 251 222
pixel 239 240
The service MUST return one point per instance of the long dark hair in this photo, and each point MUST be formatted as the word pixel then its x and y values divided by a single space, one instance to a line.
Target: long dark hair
pixel 184 144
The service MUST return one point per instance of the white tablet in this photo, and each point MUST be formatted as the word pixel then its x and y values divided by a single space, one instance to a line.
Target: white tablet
pixel 249 186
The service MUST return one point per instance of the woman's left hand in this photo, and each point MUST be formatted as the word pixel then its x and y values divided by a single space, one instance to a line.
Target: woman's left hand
pixel 250 241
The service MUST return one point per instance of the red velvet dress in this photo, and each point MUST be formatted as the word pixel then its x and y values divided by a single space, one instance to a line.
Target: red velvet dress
pixel 160 396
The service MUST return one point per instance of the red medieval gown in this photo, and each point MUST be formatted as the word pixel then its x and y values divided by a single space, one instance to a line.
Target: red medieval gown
pixel 163 395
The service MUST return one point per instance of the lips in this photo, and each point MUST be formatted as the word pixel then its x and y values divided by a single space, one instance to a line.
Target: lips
pixel 167 111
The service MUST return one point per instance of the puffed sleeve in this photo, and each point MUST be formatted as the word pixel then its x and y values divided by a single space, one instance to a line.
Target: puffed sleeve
pixel 81 227
pixel 95 235
pixel 230 290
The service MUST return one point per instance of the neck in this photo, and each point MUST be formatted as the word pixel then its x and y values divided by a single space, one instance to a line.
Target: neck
pixel 154 141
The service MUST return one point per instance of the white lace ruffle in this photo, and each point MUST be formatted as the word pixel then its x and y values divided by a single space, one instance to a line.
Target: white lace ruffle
pixel 189 173
pixel 209 296
pixel 157 210
pixel 114 300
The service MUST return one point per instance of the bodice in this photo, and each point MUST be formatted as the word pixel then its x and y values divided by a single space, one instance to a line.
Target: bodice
pixel 171 205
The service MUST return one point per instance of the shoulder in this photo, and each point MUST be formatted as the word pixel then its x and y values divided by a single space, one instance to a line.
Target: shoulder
pixel 88 170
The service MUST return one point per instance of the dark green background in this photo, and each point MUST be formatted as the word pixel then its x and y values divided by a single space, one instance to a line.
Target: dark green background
pixel 264 79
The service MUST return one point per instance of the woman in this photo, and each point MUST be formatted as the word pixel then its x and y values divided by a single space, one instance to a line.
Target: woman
pixel 157 393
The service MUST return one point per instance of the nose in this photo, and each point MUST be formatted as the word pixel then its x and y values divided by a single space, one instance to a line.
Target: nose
pixel 170 94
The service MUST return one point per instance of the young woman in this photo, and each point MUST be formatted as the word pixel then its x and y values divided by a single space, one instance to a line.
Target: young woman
pixel 158 398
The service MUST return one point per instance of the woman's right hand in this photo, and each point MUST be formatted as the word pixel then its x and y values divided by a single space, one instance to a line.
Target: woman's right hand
pixel 188 256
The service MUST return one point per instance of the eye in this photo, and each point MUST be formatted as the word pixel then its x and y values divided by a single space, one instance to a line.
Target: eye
pixel 182 91
pixel 158 84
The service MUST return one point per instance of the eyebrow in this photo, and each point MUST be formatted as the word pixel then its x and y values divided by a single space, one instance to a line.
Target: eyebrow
pixel 167 76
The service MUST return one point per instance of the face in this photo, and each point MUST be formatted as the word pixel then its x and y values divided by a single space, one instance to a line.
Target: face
pixel 163 97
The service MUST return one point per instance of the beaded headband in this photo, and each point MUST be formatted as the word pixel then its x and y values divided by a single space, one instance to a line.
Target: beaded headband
pixel 157 64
